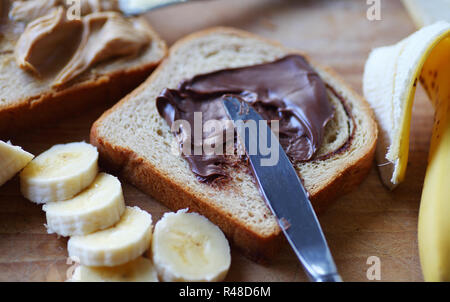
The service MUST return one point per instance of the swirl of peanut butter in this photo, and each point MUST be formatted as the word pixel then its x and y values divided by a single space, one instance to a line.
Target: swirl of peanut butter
pixel 54 45
pixel 92 6
pixel 44 42
pixel 27 11
pixel 106 35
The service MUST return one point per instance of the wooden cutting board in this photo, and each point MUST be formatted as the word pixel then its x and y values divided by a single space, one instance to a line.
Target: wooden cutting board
pixel 370 221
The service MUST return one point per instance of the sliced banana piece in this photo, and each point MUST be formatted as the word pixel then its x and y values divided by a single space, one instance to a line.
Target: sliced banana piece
pixel 119 244
pixel 389 82
pixel 138 270
pixel 59 173
pixel 98 207
pixel 12 160
pixel 188 247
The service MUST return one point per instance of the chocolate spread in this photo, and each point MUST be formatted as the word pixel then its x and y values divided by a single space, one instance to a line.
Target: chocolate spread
pixel 287 90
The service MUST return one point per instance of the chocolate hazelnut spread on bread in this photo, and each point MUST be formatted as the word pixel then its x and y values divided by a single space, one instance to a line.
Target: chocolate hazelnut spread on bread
pixel 287 90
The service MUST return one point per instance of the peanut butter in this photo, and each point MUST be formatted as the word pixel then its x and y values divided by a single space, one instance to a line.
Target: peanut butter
pixel 54 45
pixel 105 36
pixel 46 40
pixel 93 6
pixel 27 11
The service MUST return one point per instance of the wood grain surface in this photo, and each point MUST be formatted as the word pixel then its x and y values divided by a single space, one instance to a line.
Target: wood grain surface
pixel 370 221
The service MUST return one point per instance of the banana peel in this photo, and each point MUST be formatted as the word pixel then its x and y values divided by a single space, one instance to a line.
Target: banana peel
pixel 390 78
pixel 389 84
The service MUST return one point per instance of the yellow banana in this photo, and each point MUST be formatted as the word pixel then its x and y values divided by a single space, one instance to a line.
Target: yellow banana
pixel 389 86
pixel 434 214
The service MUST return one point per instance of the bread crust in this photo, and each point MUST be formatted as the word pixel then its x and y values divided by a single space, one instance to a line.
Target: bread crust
pixel 54 105
pixel 146 177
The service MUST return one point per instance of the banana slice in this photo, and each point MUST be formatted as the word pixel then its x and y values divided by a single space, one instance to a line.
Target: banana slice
pixel 188 247
pixel 138 270
pixel 12 160
pixel 96 208
pixel 389 84
pixel 59 173
pixel 119 244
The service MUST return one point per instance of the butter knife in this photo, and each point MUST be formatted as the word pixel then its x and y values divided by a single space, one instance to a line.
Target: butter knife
pixel 286 197
pixel 137 7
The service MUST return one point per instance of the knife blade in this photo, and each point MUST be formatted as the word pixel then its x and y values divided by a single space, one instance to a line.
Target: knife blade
pixel 285 195
pixel 137 7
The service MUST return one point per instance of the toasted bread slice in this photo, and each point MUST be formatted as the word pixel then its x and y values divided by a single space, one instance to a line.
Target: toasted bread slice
pixel 26 100
pixel 133 139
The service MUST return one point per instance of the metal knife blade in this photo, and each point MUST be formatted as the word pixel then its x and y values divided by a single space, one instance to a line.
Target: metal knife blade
pixel 137 7
pixel 285 195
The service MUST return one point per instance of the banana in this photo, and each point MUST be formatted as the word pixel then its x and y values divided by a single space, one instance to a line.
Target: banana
pixel 188 247
pixel 119 244
pixel 59 173
pixel 434 213
pixel 139 270
pixel 389 83
pixel 423 56
pixel 12 160
pixel 97 207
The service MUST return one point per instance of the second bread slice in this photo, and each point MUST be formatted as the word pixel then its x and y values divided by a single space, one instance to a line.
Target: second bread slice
pixel 28 101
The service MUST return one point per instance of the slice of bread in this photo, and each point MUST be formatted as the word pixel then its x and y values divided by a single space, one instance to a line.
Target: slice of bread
pixel 133 139
pixel 26 100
